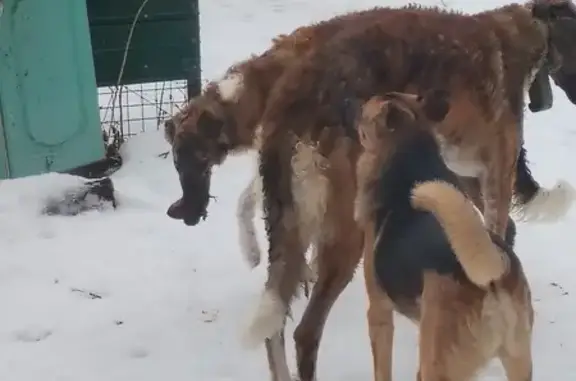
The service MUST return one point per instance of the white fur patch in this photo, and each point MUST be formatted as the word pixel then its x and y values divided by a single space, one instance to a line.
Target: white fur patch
pixel 231 86
pixel 257 143
pixel 549 205
pixel 310 189
pixel 250 197
pixel 245 212
pixel 311 268
pixel 267 321
pixel 460 161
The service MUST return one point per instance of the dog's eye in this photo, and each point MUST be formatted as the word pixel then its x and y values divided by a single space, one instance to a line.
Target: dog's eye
pixel 202 158
pixel 223 147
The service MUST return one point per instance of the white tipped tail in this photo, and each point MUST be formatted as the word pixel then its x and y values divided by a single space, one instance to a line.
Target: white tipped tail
pixel 249 247
pixel 245 212
pixel 268 320
pixel 549 205
pixel 481 260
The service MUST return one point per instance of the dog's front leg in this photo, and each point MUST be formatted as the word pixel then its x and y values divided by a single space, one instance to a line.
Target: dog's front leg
pixel 497 182
pixel 285 255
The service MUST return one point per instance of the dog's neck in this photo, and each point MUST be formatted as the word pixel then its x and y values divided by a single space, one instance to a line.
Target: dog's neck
pixel 388 185
pixel 259 76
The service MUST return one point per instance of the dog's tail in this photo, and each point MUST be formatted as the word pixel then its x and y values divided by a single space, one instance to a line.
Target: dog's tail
pixel 249 247
pixel 481 260
pixel 534 203
pixel 245 212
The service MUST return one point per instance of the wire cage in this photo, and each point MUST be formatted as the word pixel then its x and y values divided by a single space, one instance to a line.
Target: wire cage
pixel 132 109
pixel 147 64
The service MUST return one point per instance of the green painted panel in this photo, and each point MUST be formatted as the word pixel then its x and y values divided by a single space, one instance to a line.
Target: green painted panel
pixel 4 170
pixel 165 43
pixel 167 39
pixel 113 11
pixel 48 90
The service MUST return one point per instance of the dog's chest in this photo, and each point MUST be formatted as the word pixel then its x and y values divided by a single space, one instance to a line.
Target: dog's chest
pixel 462 161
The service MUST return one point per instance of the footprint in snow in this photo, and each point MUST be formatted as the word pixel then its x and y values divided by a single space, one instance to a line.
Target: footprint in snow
pixel 32 335
pixel 138 352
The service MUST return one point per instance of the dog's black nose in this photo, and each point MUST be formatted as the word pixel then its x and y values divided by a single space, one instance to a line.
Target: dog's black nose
pixel 176 211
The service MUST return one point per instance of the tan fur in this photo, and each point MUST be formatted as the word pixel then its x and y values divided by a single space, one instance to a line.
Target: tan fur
pixel 481 260
pixel 462 326
pixel 462 329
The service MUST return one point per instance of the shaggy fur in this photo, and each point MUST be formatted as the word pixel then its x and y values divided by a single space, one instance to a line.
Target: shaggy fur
pixel 232 107
pixel 309 144
pixel 429 255
pixel 487 61
pixel 532 203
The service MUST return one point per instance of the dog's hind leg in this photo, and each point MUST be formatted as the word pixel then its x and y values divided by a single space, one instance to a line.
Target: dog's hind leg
pixel 337 260
pixel 518 366
pixel 380 314
pixel 516 351
pixel 338 254
pixel 454 341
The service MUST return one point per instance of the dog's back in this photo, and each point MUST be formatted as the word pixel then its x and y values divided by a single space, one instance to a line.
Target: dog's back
pixel 411 242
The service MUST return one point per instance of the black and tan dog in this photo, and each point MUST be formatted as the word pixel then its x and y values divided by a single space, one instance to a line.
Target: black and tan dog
pixel 431 257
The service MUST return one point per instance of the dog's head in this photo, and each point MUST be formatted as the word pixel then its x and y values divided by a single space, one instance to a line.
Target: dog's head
pixel 201 136
pixel 560 18
pixel 387 121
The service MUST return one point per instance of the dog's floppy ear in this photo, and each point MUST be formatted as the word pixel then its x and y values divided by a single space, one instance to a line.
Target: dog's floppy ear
pixel 540 92
pixel 435 105
pixel 169 130
pixel 553 9
pixel 209 126
pixel 396 115
pixel 368 135
pixel 373 111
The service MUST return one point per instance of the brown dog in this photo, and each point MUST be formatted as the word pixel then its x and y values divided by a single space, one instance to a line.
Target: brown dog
pixel 238 100
pixel 234 106
pixel 486 59
pixel 429 254
pixel 309 143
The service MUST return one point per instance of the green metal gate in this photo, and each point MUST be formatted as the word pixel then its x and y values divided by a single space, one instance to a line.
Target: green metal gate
pixel 164 46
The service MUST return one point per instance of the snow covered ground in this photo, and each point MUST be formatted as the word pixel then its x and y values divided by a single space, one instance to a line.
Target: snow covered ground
pixel 132 295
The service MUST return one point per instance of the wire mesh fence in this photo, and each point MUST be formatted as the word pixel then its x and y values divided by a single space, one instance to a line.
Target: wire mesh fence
pixel 140 107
